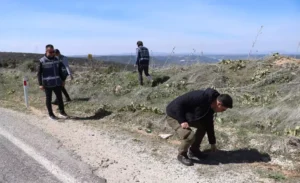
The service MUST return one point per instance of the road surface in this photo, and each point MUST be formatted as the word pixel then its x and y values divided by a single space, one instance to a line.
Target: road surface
pixel 28 155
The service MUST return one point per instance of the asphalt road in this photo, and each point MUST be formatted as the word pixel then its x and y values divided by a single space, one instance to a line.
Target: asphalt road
pixel 17 166
pixel 28 155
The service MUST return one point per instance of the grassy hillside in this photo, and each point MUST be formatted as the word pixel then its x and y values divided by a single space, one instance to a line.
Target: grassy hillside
pixel 266 99
pixel 28 61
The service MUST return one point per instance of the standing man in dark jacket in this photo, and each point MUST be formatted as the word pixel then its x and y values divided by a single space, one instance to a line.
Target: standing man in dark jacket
pixel 50 78
pixel 196 109
pixel 142 61
pixel 65 61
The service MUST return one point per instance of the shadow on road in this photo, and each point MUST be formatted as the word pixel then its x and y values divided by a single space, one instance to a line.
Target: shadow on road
pixel 81 99
pixel 235 156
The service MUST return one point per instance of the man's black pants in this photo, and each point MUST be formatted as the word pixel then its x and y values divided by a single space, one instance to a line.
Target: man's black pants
pixel 64 91
pixel 58 92
pixel 142 68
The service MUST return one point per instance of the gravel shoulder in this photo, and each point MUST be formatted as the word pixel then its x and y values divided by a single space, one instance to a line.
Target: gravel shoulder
pixel 28 154
pixel 122 156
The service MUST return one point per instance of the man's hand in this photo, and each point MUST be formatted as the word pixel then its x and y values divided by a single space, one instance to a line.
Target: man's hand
pixel 184 125
pixel 42 88
pixel 213 148
pixel 63 83
pixel 71 76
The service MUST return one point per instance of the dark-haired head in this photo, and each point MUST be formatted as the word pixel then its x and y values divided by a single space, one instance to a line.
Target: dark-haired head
pixel 49 46
pixel 57 52
pixel 226 100
pixel 222 103
pixel 139 43
pixel 49 50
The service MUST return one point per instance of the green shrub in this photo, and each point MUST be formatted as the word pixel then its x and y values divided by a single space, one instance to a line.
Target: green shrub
pixel 277 176
pixel 29 66
pixel 110 69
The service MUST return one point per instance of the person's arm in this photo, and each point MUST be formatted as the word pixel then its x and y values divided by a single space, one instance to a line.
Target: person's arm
pixel 63 78
pixel 149 59
pixel 66 63
pixel 138 56
pixel 211 132
pixel 39 74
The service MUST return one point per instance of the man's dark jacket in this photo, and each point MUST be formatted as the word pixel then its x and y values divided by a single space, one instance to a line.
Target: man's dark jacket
pixel 142 56
pixel 195 107
pixel 60 71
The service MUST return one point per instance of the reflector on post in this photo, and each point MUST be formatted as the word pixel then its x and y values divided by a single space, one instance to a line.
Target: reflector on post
pixel 25 85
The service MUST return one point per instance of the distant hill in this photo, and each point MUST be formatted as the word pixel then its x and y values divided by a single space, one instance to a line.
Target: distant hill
pixel 245 56
pixel 126 59
pixel 159 60
pixel 178 59
pixel 14 59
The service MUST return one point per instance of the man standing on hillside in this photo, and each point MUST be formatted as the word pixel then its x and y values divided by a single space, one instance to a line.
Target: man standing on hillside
pixel 196 109
pixel 142 61
pixel 65 61
pixel 50 78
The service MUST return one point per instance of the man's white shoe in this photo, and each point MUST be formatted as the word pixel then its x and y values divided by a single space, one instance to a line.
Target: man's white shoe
pixel 53 118
pixel 64 116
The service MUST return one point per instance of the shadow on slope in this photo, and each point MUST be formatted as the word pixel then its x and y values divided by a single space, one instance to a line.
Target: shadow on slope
pixel 99 114
pixel 160 80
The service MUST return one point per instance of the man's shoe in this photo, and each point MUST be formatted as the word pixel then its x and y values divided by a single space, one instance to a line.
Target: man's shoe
pixel 52 117
pixel 63 115
pixel 196 154
pixel 68 100
pixel 185 160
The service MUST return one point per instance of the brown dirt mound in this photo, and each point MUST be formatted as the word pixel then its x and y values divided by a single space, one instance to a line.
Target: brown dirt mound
pixel 286 60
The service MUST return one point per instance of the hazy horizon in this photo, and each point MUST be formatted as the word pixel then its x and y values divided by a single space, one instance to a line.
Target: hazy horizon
pixel 165 54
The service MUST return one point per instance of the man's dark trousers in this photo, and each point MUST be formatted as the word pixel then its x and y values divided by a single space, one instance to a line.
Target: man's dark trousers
pixel 58 92
pixel 64 91
pixel 141 69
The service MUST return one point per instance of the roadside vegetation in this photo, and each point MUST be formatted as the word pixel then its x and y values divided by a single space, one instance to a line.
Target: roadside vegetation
pixel 266 99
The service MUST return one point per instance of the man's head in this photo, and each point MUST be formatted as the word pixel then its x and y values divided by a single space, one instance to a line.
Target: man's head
pixel 49 50
pixel 57 52
pixel 222 103
pixel 139 43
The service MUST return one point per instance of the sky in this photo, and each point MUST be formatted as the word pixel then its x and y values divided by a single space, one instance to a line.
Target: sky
pixel 114 26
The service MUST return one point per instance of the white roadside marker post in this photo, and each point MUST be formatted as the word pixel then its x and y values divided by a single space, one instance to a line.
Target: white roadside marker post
pixel 25 84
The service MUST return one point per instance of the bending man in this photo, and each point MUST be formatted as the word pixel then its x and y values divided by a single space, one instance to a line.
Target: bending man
pixel 196 109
